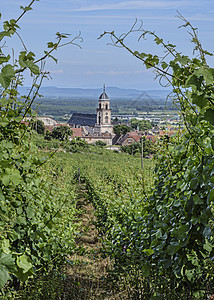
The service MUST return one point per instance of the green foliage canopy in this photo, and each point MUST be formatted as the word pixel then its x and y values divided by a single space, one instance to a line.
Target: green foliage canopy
pixel 174 240
pixel 100 143
pixel 31 205
pixel 149 147
pixel 142 125
pixel 38 126
pixel 121 129
pixel 61 133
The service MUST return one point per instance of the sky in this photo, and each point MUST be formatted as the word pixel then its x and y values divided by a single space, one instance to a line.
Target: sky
pixel 97 62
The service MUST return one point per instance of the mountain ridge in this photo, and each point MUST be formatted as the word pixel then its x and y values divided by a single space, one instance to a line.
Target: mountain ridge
pixel 112 91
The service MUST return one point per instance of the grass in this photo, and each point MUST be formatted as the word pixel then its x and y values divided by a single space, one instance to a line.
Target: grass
pixel 87 274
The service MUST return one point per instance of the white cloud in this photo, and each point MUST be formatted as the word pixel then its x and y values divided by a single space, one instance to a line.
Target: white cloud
pixel 56 72
pixel 114 73
pixel 127 5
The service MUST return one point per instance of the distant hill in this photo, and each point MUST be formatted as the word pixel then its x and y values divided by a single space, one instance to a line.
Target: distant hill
pixel 113 93
pixel 60 102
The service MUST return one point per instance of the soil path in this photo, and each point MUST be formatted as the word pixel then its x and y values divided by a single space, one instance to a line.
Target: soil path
pixel 86 278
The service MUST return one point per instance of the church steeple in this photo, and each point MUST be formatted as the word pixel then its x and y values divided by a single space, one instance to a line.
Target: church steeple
pixel 104 96
pixel 104 113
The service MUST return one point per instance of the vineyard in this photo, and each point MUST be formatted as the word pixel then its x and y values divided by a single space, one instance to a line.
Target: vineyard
pixel 150 232
pixel 40 240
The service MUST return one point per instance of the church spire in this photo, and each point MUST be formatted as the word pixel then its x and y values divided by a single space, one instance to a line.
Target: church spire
pixel 104 96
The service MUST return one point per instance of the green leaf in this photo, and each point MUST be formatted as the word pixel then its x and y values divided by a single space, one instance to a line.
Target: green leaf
pixel 6 265
pixel 4 81
pixel 148 251
pixel 5 178
pixel 207 145
pixel 199 294
pixel 50 45
pixel 8 71
pixel 209 115
pixel 211 196
pixel 172 249
pixel 199 100
pixel 207 74
pixel 4 121
pixel 182 59
pixel 182 231
pixel 208 246
pixel 5 246
pixel 190 274
pixel 24 262
pixel 194 81
pixel 3 34
pixel 166 263
pixel 30 212
pixel 207 232
pixel 11 176
pixel 2 197
pixel 4 276
pixel 33 67
pixel 4 59
pixel 158 40
pixel 6 76
pixel 23 276
pixel 164 65
pixel 197 200
pixel 194 183
pixel 26 8
pixel 145 268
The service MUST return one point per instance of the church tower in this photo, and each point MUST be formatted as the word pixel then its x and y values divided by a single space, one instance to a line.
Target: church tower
pixel 103 124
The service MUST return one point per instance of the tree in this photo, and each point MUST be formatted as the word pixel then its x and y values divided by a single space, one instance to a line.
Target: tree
pixel 149 147
pixel 143 125
pixel 48 135
pixel 121 129
pixel 177 229
pixel 61 133
pixel 100 143
pixel 38 126
pixel 77 145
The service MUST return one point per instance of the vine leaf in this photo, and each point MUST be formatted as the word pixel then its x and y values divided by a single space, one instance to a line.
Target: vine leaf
pixel 6 75
pixel 6 265
pixel 209 115
pixel 24 262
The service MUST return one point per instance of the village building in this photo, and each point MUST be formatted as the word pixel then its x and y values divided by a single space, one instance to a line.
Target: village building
pixel 48 121
pixel 76 132
pixel 129 138
pixel 95 127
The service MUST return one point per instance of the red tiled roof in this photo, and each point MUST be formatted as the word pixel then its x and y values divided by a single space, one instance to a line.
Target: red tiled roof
pixel 61 124
pixel 133 134
pixel 77 132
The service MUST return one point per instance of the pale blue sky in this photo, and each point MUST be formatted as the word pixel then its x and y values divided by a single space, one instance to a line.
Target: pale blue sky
pixel 97 63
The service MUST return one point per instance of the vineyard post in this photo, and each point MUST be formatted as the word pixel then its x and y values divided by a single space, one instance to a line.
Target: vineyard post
pixel 142 153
